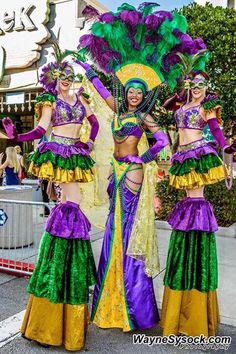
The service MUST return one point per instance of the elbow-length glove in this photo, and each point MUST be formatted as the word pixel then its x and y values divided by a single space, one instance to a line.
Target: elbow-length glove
pixel 94 130
pixel 151 154
pixel 92 76
pixel 12 134
pixel 217 132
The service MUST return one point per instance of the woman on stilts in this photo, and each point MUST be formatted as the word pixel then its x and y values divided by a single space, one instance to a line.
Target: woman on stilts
pixel 134 46
pixel 57 311
pixel 190 304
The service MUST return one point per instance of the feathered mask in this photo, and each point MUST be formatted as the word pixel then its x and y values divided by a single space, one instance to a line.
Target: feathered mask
pixel 191 66
pixel 55 70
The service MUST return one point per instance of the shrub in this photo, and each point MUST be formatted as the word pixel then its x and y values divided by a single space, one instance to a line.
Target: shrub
pixel 223 201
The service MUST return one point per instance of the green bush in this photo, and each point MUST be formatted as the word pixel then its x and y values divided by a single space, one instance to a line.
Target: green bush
pixel 223 201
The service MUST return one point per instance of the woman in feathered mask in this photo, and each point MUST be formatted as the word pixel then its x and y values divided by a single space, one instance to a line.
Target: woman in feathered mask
pixel 57 311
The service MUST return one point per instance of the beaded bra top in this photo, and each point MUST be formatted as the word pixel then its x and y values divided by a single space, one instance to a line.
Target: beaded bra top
pixel 189 118
pixel 128 126
pixel 65 113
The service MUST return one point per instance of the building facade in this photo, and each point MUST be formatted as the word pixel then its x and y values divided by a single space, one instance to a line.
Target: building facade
pixel 224 3
pixel 27 28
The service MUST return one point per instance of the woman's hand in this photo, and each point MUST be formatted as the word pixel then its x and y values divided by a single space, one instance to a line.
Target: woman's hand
pixel 230 149
pixel 131 159
pixel 90 145
pixel 85 66
pixel 1 156
pixel 9 128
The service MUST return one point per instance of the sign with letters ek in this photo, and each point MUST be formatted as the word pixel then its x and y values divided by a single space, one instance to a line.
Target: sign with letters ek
pixel 23 30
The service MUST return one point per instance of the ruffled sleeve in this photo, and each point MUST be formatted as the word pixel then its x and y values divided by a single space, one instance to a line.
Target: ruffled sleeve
pixel 46 99
pixel 213 102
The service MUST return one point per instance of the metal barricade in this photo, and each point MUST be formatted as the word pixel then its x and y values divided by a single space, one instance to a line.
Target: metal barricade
pixel 21 227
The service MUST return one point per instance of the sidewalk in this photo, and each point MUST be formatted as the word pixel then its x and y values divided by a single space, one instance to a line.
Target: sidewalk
pixel 13 300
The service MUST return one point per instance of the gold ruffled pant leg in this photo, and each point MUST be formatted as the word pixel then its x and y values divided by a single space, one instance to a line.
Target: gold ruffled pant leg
pixel 189 312
pixel 56 324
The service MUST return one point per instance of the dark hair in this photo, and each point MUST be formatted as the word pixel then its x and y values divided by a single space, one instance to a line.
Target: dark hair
pixel 202 73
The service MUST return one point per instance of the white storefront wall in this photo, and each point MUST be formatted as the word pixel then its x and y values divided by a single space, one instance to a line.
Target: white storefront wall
pixel 25 36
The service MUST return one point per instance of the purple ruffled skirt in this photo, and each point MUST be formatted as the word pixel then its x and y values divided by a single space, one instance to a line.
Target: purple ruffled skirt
pixel 62 160
pixel 196 165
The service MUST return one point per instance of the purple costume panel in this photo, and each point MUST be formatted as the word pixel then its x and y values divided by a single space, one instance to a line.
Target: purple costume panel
pixel 139 292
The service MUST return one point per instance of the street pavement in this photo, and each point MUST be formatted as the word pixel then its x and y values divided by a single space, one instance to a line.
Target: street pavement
pixel 13 300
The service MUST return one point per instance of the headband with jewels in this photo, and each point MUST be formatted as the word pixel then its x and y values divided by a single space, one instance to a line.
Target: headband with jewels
pixel 53 71
pixel 139 45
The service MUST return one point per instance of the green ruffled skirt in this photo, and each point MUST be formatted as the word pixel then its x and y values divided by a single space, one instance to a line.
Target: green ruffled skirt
pixel 192 261
pixel 65 269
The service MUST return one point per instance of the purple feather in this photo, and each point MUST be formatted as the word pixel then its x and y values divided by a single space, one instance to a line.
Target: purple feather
pixel 187 44
pixel 90 12
pixel 163 15
pixel 152 22
pixel 85 40
pixel 145 4
pixel 153 38
pixel 170 59
pixel 131 35
pixel 96 46
pixel 131 18
pixel 199 43
pixel 107 17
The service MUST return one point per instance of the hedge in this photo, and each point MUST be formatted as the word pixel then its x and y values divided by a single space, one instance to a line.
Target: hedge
pixel 223 201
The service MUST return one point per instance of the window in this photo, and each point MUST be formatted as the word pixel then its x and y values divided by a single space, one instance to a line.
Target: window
pixel 231 4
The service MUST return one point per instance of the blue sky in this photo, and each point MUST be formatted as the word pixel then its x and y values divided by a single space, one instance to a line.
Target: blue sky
pixel 164 4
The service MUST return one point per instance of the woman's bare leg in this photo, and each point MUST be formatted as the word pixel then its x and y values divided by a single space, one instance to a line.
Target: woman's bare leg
pixel 195 193
pixel 71 192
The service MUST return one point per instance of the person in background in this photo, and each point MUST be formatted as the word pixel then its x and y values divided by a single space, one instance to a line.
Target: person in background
pixel 11 166
pixel 22 173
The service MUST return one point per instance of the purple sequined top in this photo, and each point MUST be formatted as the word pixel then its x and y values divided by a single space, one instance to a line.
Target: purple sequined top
pixel 65 113
pixel 190 118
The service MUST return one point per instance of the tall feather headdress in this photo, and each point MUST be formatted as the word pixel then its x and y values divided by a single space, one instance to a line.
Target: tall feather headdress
pixel 140 44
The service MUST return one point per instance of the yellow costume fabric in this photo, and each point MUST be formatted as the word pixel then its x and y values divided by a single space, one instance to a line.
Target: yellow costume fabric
pixel 111 310
pixel 59 175
pixel 189 312
pixel 143 243
pixel 194 180
pixel 60 328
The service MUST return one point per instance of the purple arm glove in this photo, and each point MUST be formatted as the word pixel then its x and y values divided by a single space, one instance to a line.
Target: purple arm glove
pixel 94 126
pixel 92 76
pixel 150 154
pixel 12 134
pixel 217 132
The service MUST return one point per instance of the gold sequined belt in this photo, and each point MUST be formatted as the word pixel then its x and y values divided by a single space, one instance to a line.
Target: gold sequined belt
pixel 65 140
pixel 193 145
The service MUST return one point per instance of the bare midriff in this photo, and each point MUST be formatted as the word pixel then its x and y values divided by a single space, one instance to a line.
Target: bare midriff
pixel 68 130
pixel 187 136
pixel 128 147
